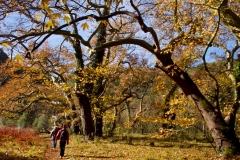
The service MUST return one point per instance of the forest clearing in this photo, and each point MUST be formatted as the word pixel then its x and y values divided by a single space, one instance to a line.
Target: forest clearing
pixel 126 79
pixel 26 145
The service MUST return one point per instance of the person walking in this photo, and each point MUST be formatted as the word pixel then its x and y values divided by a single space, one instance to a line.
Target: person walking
pixel 63 137
pixel 53 134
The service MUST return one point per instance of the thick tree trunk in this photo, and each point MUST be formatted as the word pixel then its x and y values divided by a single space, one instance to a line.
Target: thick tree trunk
pixel 99 88
pixel 83 98
pixel 224 136
pixel 86 117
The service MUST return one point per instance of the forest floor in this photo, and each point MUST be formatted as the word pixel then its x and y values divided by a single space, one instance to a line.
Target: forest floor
pixel 25 144
pixel 138 149
pixel 118 149
pixel 50 152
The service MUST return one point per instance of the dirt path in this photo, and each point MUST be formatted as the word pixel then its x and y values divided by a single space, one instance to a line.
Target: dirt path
pixel 51 153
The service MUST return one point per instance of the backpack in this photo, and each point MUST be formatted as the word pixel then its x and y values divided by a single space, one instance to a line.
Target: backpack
pixel 63 136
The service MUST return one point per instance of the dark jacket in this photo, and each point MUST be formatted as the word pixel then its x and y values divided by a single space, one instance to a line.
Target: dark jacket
pixel 59 133
pixel 54 133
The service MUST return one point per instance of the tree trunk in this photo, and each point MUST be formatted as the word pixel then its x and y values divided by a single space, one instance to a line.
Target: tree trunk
pixel 224 136
pixel 99 125
pixel 114 123
pixel 86 117
pixel 128 116
pixel 99 87
pixel 83 98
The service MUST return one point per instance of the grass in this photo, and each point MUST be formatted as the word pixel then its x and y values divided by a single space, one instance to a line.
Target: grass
pixel 25 144
pixel 21 144
pixel 139 149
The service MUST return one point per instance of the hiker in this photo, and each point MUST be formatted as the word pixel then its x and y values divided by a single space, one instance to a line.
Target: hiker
pixel 53 134
pixel 63 137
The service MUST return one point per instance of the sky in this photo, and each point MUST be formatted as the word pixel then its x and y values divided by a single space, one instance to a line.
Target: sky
pixel 56 40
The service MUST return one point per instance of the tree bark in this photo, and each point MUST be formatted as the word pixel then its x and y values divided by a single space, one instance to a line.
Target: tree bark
pixel 83 98
pixel 99 125
pixel 224 135
pixel 99 87
pixel 86 117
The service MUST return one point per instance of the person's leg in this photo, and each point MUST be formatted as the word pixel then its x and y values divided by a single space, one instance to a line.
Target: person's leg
pixel 62 148
pixel 54 143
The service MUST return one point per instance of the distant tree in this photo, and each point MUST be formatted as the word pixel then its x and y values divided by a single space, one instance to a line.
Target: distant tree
pixel 41 123
pixel 23 120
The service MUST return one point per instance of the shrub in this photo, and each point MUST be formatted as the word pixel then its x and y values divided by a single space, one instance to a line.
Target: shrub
pixel 41 122
pixel 23 120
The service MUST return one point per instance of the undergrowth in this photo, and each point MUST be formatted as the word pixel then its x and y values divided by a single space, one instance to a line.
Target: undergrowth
pixel 20 144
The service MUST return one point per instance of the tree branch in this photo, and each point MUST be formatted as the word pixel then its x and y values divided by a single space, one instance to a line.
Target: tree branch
pixel 139 42
pixel 205 64
pixel 97 18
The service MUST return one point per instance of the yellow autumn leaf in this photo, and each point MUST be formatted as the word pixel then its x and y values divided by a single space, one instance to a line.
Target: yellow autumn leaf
pixel 38 16
pixel 118 1
pixel 85 26
pixel 6 44
pixel 104 22
pixel 57 15
pixel 49 11
pixel 18 58
pixel 49 25
pixel 63 1
pixel 45 3
pixel 22 11
pixel 90 19
pixel 238 84
pixel 66 19
pixel 65 11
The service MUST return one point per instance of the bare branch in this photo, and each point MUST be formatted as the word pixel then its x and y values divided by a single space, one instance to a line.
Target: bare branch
pixel 145 28
pixel 139 42
pixel 204 60
pixel 97 18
